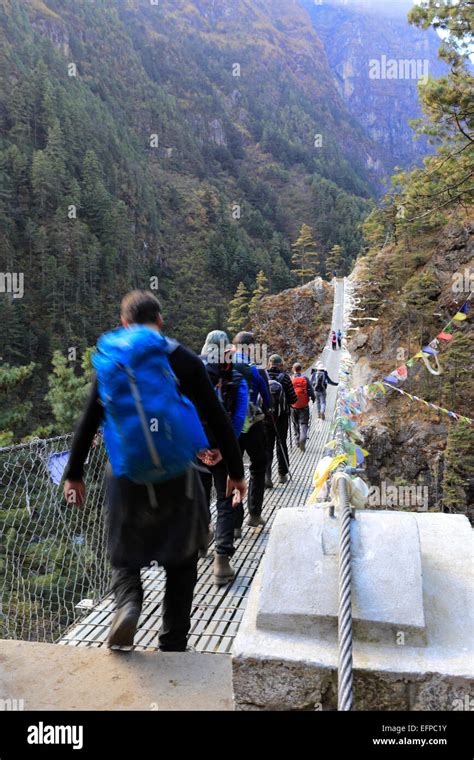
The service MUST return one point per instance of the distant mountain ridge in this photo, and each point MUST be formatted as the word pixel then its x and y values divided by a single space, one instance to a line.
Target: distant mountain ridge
pixel 355 35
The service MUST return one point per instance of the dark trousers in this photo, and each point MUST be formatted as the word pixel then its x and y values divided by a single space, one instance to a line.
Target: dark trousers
pixel 271 439
pixel 225 521
pixel 177 602
pixel 300 420
pixel 253 442
pixel 339 340
pixel 168 530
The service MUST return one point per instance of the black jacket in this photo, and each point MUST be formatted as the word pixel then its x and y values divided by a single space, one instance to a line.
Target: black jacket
pixel 283 377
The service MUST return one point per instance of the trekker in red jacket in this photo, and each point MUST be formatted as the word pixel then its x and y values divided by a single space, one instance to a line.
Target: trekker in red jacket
pixel 300 409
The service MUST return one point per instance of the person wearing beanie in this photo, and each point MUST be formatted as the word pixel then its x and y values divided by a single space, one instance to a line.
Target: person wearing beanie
pixel 233 392
pixel 276 425
pixel 252 438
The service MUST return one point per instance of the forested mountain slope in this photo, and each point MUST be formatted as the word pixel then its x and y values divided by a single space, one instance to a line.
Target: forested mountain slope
pixel 177 145
pixel 168 144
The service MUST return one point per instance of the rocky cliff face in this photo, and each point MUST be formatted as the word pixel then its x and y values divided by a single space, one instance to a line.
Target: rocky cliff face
pixel 295 322
pixel 376 58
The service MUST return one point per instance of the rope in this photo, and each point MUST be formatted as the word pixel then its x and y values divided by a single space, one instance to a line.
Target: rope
pixel 344 698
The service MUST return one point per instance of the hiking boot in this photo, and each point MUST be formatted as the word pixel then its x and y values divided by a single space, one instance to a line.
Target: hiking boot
pixel 210 538
pixel 189 648
pixel 283 478
pixel 323 416
pixel 256 521
pixel 302 446
pixel 237 532
pixel 223 570
pixel 124 626
pixel 268 481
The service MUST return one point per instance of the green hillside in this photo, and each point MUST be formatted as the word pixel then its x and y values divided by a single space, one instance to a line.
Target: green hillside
pixel 132 155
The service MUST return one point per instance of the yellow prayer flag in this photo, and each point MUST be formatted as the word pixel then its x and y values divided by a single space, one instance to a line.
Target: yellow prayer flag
pixel 321 474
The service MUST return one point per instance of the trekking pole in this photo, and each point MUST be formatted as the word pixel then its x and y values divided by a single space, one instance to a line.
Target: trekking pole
pixel 279 441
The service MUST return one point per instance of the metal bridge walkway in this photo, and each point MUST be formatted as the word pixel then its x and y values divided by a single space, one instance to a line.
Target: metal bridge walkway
pixel 217 611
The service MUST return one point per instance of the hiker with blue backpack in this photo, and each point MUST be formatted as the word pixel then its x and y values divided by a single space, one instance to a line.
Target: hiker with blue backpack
pixel 276 425
pixel 146 394
pixel 252 438
pixel 232 390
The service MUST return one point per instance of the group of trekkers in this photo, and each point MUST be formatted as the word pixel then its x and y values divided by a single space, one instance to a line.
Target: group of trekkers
pixel 336 339
pixel 174 424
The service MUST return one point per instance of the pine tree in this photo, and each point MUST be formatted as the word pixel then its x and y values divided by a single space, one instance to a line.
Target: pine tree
pixel 67 391
pixel 457 376
pixel 48 171
pixel 238 310
pixel 335 261
pixel 259 292
pixel 14 411
pixel 459 467
pixel 95 197
pixel 304 255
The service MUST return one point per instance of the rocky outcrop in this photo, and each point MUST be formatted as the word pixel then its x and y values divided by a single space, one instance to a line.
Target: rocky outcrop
pixel 295 322
pixel 51 26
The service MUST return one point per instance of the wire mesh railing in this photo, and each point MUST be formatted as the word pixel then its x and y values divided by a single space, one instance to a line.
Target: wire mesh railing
pixel 53 560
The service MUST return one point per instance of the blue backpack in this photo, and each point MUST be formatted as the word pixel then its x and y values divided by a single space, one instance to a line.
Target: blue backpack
pixel 152 432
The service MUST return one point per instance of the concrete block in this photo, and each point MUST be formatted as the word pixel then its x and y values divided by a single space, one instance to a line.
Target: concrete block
pixel 296 668
pixel 299 590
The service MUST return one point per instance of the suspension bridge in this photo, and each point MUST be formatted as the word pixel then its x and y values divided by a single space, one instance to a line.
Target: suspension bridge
pixel 55 595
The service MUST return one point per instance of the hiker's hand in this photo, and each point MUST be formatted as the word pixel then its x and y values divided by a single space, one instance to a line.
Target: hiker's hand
pixel 236 485
pixel 210 456
pixel 75 492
